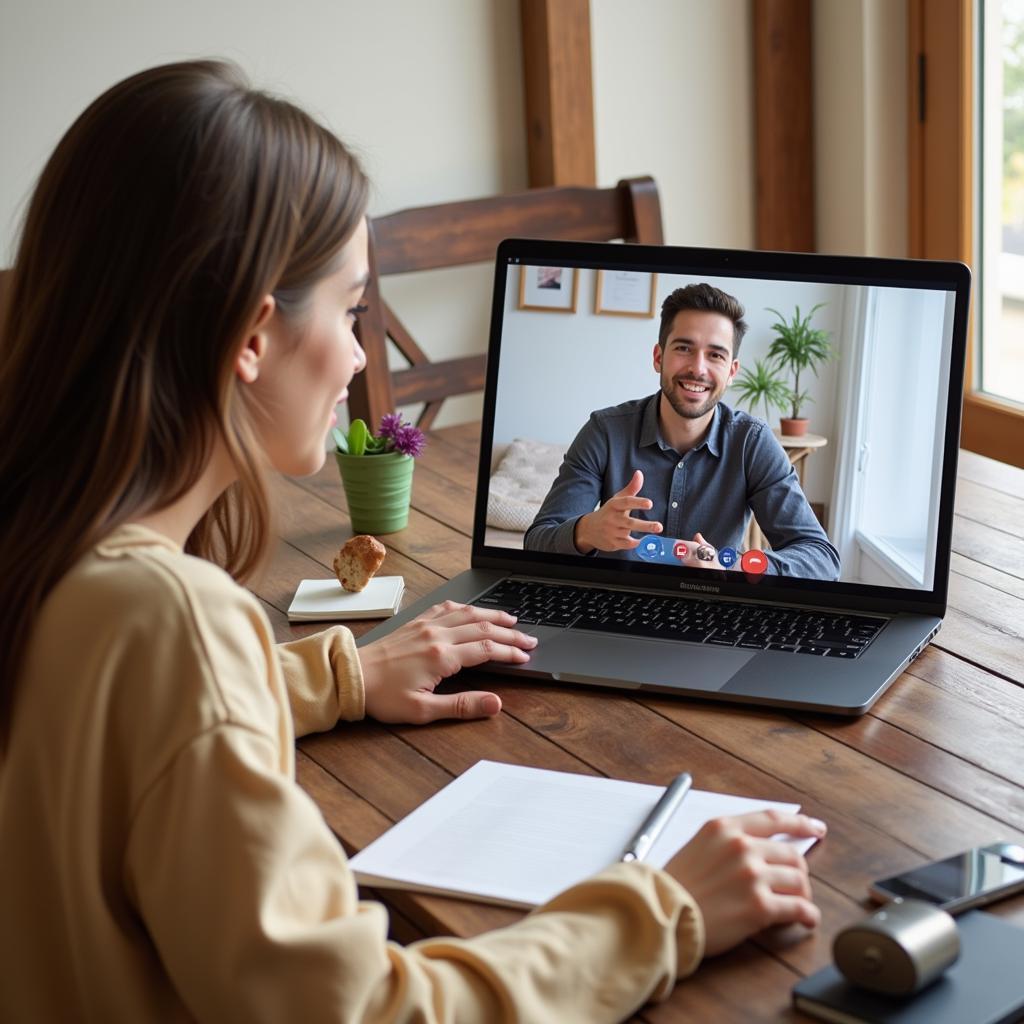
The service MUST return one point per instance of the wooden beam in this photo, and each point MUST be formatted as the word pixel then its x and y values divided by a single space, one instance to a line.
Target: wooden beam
pixel 559 92
pixel 784 125
pixel 433 382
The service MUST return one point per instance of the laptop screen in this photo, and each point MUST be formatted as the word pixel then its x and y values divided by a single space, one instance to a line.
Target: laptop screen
pixel 722 421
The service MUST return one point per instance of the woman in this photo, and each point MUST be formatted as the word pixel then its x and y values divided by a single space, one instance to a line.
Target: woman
pixel 179 318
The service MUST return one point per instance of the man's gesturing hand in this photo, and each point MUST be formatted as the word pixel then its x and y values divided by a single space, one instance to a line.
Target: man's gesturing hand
pixel 401 671
pixel 744 881
pixel 693 562
pixel 608 529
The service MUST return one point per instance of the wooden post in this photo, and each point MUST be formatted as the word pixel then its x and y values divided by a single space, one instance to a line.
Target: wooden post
pixel 559 92
pixel 784 125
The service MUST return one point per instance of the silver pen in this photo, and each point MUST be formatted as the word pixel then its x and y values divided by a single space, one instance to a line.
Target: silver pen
pixel 654 824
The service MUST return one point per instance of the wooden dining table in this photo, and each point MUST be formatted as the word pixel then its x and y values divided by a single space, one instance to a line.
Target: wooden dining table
pixel 936 766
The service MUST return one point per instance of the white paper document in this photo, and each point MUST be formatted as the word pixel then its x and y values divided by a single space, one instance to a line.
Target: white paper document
pixel 518 836
pixel 327 600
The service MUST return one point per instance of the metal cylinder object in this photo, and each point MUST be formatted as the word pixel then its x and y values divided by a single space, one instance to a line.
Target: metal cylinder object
pixel 899 949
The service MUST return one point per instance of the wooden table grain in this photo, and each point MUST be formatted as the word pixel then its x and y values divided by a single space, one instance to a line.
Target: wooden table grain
pixel 936 766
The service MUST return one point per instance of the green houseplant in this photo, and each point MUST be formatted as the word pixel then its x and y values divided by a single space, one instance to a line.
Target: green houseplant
pixel 760 385
pixel 797 348
pixel 376 472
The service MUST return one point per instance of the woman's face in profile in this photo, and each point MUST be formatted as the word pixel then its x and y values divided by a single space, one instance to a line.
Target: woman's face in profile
pixel 308 366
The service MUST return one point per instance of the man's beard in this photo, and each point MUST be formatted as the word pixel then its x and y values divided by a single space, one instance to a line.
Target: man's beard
pixel 691 412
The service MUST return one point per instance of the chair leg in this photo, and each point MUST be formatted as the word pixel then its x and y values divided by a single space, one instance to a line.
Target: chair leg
pixel 428 415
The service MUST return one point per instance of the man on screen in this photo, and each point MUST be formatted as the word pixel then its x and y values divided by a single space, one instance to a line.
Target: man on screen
pixel 682 463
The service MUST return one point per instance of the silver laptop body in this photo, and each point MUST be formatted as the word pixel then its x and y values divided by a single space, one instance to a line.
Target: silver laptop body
pixel 888 398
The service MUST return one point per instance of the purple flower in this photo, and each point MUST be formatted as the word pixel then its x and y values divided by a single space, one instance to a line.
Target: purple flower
pixel 409 440
pixel 390 424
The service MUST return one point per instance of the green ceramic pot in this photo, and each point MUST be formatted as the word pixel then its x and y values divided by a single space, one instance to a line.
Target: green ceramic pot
pixel 378 489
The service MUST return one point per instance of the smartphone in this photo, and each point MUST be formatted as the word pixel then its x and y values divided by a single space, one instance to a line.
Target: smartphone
pixel 969 879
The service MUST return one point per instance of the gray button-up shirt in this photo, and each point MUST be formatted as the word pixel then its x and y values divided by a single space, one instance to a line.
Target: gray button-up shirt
pixel 738 469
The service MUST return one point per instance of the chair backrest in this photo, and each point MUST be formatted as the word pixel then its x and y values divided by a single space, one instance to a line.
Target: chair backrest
pixel 456 234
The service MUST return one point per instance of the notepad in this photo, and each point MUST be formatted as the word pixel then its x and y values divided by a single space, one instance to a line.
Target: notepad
pixel 517 837
pixel 327 600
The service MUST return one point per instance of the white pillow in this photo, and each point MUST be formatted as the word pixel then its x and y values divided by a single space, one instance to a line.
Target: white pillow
pixel 521 482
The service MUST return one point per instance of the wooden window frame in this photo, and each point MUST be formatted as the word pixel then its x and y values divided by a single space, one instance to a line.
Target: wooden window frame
pixel 941 49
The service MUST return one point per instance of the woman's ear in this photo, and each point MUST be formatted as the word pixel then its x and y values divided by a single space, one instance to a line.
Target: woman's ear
pixel 254 347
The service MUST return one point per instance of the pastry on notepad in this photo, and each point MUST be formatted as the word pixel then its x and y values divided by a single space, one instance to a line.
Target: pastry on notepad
pixel 358 560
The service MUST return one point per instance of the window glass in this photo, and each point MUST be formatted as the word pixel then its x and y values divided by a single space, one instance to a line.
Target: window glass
pixel 1001 158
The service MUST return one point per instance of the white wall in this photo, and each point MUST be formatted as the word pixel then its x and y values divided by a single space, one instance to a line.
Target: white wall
pixel 556 368
pixel 673 97
pixel 429 94
pixel 860 126
pixel 431 97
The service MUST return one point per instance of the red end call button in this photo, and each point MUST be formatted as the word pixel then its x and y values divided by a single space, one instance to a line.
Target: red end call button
pixel 754 562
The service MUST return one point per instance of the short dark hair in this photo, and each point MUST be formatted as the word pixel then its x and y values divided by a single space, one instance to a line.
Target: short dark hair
pixel 705 298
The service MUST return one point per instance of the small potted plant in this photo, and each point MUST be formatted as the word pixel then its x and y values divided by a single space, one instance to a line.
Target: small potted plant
pixel 376 471
pixel 762 384
pixel 798 347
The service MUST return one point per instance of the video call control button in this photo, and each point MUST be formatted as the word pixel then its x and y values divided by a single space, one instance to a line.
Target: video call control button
pixel 728 557
pixel 753 561
pixel 651 549
pixel 679 550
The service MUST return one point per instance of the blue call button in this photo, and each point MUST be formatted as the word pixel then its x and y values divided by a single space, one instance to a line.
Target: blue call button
pixel 651 549
pixel 728 557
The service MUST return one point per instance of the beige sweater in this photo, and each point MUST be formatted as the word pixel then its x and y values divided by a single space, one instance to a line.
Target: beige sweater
pixel 158 861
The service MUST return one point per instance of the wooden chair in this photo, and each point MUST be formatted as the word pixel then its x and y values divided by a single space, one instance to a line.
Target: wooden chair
pixel 456 234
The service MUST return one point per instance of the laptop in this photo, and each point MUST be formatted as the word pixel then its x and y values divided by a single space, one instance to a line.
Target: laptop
pixel 801 572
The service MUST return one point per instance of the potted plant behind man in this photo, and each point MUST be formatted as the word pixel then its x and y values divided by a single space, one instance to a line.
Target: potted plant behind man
pixel 798 347
pixel 376 472
pixel 761 384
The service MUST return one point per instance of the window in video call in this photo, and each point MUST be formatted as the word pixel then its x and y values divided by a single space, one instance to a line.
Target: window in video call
pixel 590 397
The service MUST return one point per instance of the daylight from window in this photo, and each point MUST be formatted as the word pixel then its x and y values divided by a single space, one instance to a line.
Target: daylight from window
pixel 1002 199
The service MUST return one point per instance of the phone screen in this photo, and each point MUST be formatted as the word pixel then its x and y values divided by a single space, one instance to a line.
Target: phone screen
pixel 965 876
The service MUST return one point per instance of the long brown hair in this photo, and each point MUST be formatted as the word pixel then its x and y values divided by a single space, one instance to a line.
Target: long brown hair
pixel 173 204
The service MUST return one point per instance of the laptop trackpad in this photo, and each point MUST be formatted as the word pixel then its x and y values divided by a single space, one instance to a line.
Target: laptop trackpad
pixel 577 657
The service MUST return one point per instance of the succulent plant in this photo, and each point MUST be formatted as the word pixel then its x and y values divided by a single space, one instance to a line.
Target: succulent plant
pixel 394 435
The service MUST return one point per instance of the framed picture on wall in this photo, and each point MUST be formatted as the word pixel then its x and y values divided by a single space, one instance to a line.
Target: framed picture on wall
pixel 625 293
pixel 549 289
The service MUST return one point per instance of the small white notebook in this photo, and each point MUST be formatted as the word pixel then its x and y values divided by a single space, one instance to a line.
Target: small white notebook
pixel 516 836
pixel 327 600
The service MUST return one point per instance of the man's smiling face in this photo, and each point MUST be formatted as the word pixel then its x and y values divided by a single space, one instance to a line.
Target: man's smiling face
pixel 696 364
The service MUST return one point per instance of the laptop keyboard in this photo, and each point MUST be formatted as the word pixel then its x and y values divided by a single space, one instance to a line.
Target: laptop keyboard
pixel 717 623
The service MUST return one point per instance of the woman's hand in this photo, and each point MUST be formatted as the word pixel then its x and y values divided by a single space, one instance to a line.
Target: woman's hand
pixel 401 671
pixel 742 880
